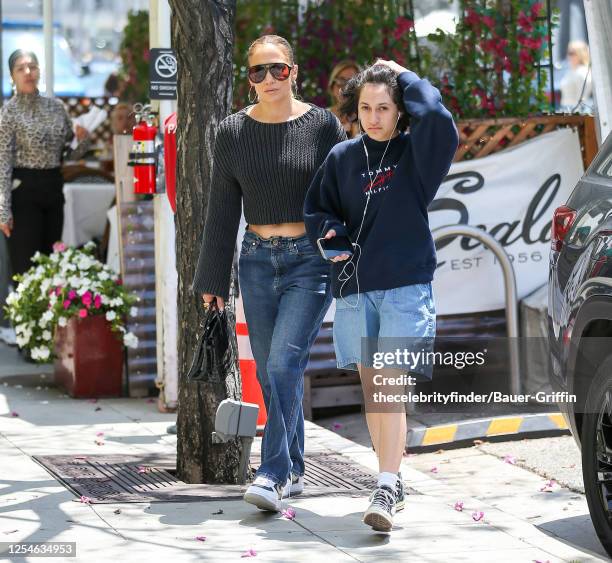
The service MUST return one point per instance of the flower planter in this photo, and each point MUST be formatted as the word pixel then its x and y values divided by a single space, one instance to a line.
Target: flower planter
pixel 89 358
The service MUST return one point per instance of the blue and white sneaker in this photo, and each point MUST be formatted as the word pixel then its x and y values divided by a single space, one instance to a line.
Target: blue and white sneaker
pixel 380 513
pixel 400 499
pixel 265 494
pixel 294 486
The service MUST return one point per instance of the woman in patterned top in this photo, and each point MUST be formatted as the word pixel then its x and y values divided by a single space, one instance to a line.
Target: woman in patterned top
pixel 34 131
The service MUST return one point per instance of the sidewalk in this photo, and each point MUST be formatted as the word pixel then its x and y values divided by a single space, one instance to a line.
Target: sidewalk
pixel 520 522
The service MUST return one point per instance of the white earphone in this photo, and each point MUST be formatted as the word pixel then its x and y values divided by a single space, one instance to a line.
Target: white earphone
pixel 344 276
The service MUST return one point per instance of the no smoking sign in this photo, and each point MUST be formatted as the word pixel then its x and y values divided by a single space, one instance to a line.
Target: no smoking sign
pixel 162 74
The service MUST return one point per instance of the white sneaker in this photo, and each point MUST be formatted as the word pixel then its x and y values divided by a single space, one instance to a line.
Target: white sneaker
pixel 265 494
pixel 294 486
pixel 380 513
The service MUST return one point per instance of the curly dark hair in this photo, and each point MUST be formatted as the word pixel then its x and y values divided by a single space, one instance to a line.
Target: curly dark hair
pixel 375 74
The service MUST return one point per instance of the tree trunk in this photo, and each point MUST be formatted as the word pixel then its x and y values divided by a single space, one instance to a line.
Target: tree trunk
pixel 203 37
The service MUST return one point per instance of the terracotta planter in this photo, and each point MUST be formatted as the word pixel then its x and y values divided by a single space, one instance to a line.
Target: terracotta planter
pixel 89 358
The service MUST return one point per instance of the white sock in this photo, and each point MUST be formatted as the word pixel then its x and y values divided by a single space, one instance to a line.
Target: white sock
pixel 387 479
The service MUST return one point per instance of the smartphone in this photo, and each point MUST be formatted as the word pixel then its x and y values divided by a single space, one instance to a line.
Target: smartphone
pixel 335 246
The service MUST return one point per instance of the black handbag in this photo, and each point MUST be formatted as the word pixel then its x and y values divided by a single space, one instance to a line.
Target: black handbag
pixel 215 354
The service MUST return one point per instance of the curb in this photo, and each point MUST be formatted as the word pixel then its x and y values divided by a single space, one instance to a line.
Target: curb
pixel 420 435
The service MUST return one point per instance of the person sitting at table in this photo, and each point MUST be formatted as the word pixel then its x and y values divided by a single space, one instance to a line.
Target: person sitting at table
pixel 34 136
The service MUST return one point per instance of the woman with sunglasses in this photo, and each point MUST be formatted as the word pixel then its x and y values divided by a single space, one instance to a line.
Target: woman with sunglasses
pixel 265 157
pixel 339 77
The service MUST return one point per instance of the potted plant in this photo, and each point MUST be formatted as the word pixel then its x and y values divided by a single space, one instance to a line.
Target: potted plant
pixel 71 308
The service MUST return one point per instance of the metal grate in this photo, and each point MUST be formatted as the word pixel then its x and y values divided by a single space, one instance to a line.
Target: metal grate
pixel 114 478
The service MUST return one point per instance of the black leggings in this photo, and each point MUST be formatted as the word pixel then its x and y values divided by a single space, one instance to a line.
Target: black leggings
pixel 38 215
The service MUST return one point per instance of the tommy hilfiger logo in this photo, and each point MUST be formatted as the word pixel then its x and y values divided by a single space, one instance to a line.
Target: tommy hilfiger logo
pixel 381 179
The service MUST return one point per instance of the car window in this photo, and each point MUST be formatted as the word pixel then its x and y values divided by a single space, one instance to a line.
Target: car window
pixel 602 164
pixel 605 168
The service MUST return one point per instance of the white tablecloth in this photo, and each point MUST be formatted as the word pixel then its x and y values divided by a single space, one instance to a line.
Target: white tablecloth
pixel 85 211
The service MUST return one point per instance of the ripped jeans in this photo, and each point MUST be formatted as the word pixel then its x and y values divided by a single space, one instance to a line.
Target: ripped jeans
pixel 286 291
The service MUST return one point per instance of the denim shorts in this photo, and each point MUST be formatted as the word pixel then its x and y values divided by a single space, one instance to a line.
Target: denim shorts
pixel 383 321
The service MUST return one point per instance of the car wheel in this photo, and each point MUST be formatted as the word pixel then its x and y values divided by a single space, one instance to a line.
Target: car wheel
pixel 596 441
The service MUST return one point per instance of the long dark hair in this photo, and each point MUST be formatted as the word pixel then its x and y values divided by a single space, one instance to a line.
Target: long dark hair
pixel 375 74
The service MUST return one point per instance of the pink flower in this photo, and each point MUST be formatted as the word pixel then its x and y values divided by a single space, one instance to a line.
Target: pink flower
pixel 58 290
pixel 488 21
pixel 85 500
pixel 525 22
pixel 67 303
pixel 434 469
pixel 536 9
pixel 510 459
pixel 71 294
pixel 249 553
pixel 86 299
pixel 289 513
pixel 477 516
pixel 99 433
pixel 14 413
pixel 97 301
pixel 59 247
pixel 459 506
pixel 82 313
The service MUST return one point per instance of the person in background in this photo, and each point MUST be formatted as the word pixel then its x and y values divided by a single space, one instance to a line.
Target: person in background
pixel 34 133
pixel 264 159
pixel 576 85
pixel 340 75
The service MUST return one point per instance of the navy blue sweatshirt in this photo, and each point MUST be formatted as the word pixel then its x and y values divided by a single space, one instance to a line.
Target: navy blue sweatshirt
pixel 397 248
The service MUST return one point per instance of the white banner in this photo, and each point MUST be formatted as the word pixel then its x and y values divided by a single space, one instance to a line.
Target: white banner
pixel 511 195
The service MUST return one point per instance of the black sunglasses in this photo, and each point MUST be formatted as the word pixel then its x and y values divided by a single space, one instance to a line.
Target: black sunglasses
pixel 279 71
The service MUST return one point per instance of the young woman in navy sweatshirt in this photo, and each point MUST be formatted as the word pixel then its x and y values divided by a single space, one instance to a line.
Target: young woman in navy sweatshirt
pixel 375 189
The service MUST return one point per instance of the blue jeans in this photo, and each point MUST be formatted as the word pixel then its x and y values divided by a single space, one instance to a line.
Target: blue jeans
pixel 286 290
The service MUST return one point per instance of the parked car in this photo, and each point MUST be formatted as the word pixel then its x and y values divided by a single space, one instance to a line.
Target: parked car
pixel 29 36
pixel 580 329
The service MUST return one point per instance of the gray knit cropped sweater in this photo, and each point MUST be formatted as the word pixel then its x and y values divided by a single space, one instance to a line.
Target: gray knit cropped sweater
pixel 265 168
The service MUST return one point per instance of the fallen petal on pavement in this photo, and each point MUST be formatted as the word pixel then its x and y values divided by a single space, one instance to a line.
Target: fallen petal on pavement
pixel 477 516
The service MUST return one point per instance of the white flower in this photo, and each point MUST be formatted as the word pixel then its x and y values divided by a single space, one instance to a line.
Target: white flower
pixel 53 299
pixel 58 280
pixel 85 262
pixel 74 281
pixel 111 315
pixel 104 275
pixel 130 340
pixel 83 289
pixel 54 257
pixel 133 311
pixel 40 353
pixel 42 323
pixel 62 321
pixel 48 316
pixel 21 341
pixel 36 255
pixel 18 318
pixel 20 328
pixel 12 298
pixel 46 335
pixel 90 245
